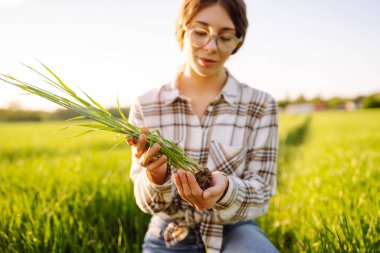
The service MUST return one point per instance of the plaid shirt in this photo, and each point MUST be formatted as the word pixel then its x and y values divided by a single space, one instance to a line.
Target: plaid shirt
pixel 238 136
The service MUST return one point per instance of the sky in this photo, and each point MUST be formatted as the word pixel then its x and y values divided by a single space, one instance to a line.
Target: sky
pixel 122 48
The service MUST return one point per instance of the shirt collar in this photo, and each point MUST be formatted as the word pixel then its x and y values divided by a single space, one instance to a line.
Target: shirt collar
pixel 229 91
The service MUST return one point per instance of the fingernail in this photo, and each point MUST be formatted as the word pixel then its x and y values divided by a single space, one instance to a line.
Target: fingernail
pixel 206 195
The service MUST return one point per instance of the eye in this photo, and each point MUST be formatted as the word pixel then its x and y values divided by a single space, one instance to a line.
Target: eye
pixel 200 32
pixel 226 37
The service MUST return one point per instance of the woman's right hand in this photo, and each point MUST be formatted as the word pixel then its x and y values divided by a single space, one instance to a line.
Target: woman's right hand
pixel 156 166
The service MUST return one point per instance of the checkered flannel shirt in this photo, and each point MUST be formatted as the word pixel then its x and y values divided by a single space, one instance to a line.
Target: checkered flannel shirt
pixel 238 136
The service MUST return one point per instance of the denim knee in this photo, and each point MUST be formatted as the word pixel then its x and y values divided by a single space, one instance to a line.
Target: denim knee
pixel 246 237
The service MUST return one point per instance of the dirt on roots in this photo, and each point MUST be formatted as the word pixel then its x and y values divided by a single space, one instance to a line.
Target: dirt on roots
pixel 204 178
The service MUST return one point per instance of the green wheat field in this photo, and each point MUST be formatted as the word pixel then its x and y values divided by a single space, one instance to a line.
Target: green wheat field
pixel 72 195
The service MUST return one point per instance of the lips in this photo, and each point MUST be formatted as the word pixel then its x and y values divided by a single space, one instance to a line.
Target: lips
pixel 207 62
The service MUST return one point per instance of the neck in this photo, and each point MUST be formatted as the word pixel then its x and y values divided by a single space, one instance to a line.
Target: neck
pixel 191 82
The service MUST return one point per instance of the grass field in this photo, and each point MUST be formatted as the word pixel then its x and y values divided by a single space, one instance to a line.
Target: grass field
pixel 328 174
pixel 72 196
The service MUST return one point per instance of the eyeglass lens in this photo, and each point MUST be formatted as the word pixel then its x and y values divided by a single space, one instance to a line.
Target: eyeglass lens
pixel 224 42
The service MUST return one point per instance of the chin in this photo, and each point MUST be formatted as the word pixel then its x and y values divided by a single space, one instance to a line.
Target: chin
pixel 206 72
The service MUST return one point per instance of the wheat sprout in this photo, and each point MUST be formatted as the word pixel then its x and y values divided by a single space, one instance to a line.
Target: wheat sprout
pixel 90 109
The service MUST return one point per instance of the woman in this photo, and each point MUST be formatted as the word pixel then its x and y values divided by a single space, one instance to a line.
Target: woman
pixel 223 124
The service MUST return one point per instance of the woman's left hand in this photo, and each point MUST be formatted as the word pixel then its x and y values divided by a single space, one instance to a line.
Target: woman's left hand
pixel 190 191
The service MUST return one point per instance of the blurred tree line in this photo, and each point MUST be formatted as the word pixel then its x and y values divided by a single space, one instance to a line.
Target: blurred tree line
pixel 19 115
pixel 363 102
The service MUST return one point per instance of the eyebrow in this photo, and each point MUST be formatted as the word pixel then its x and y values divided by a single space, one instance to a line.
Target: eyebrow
pixel 207 24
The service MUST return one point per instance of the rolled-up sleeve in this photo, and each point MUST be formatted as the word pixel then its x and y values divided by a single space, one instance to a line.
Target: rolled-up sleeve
pixel 248 197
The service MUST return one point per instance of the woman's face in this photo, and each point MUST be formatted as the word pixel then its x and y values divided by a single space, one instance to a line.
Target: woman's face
pixel 208 60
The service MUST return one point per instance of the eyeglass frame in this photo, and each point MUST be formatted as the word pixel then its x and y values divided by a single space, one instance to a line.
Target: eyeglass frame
pixel 214 37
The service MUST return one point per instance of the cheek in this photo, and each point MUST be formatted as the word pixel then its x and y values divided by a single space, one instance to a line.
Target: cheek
pixel 190 56
pixel 224 57
pixel 189 51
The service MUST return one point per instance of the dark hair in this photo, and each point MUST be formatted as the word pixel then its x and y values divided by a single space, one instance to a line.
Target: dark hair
pixel 235 8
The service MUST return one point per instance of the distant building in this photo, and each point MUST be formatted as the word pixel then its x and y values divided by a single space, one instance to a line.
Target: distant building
pixel 351 106
pixel 320 106
pixel 300 108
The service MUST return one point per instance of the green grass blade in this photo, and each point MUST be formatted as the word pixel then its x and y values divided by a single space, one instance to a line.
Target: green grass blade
pixel 62 129
pixel 96 126
pixel 59 80
pixel 39 73
pixel 120 112
pixel 97 104
pixel 86 132
pixel 77 118
pixel 115 146
pixel 92 110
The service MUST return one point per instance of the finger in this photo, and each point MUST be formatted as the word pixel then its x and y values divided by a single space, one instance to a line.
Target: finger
pixel 193 184
pixel 148 157
pixel 178 184
pixel 212 192
pixel 187 191
pixel 153 150
pixel 156 164
pixel 196 191
pixel 185 184
pixel 219 185
pixel 131 140
pixel 140 145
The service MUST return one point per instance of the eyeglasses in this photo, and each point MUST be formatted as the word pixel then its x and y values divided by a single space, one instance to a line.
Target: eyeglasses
pixel 225 42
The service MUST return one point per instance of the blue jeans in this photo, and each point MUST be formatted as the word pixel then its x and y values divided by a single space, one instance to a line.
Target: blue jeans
pixel 240 237
pixel 154 239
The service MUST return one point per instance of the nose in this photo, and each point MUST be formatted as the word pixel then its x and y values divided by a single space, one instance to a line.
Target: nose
pixel 212 44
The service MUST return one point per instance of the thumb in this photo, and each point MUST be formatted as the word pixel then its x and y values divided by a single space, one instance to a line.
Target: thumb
pixel 206 194
pixel 211 192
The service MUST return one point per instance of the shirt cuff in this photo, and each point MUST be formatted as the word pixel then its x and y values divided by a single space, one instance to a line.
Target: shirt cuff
pixel 229 197
pixel 158 187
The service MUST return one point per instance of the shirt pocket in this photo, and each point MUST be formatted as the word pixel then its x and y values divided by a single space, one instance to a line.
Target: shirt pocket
pixel 228 159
